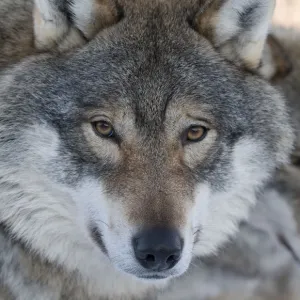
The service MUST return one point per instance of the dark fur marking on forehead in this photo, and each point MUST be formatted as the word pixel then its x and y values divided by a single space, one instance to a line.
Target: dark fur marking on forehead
pixel 64 7
pixel 247 18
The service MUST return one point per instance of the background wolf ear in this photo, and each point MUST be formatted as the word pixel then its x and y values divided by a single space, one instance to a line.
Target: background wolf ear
pixel 237 28
pixel 275 63
pixel 65 24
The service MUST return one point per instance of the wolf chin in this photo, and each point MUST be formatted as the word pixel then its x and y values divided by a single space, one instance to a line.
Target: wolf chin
pixel 135 136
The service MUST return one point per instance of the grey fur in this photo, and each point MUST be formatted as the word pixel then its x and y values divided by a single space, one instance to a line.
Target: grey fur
pixel 250 267
pixel 254 265
pixel 144 63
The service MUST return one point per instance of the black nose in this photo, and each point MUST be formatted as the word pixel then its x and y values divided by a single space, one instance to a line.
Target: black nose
pixel 158 249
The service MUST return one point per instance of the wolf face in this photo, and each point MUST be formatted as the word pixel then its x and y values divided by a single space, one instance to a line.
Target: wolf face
pixel 146 146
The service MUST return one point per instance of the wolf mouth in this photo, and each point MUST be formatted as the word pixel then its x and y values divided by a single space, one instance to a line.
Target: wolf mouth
pixel 152 277
pixel 98 238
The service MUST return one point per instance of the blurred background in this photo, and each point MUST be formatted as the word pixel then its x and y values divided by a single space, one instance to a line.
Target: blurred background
pixel 287 13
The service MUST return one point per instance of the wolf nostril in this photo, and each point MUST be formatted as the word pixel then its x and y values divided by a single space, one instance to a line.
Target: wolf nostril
pixel 172 258
pixel 150 258
pixel 158 249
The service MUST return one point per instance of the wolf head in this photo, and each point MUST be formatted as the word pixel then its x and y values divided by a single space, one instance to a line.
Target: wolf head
pixel 148 144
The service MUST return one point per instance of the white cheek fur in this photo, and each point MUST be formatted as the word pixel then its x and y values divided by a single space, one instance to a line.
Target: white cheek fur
pixel 219 213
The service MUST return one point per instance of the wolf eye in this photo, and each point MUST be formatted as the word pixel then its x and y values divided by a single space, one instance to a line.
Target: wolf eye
pixel 103 128
pixel 196 133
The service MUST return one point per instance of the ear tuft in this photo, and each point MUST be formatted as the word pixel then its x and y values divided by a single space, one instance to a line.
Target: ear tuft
pixel 237 28
pixel 66 24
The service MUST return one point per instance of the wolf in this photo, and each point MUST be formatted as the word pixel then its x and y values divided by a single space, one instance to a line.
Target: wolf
pixel 134 136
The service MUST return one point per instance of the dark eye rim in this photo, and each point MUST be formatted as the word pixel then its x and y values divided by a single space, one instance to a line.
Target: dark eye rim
pixel 112 133
pixel 186 140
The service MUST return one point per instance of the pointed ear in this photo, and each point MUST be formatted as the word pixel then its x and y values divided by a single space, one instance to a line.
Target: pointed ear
pixel 65 24
pixel 237 28
pixel 275 63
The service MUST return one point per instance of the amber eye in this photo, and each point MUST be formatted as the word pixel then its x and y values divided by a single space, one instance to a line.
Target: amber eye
pixel 196 133
pixel 103 128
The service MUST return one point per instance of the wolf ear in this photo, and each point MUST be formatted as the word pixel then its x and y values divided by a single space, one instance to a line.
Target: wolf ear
pixel 65 24
pixel 237 28
pixel 275 62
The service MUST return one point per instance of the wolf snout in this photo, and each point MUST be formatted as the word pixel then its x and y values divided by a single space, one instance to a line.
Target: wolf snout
pixel 158 249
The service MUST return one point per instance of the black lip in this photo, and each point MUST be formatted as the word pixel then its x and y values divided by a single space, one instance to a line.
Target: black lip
pixel 153 277
pixel 98 238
